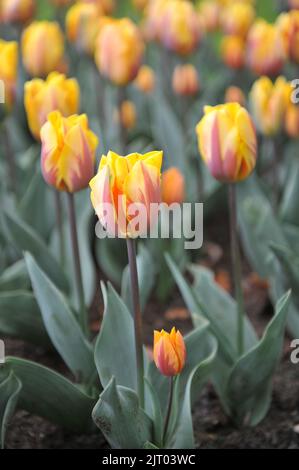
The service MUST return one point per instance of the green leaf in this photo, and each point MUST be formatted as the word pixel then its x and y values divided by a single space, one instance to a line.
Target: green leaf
pixel 9 393
pixel 155 413
pixel 48 394
pixel 121 420
pixel 250 382
pixel 61 325
pixel 15 277
pixel 289 209
pixel 20 317
pixel 112 258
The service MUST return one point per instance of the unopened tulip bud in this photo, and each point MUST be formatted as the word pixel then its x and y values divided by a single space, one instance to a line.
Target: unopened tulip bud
pixel 234 94
pixel 233 51
pixel 16 11
pixel 42 48
pixel 185 80
pixel 9 70
pixel 82 26
pixel 173 186
pixel 237 18
pixel 269 102
pixel 41 97
pixel 68 152
pixel 126 115
pixel 266 52
pixel 227 142
pixel 169 352
pixel 145 80
pixel 119 50
pixel 288 25
pixel 123 182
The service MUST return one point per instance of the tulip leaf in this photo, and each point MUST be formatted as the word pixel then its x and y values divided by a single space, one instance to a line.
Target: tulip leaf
pixel 61 325
pixel 120 418
pixel 20 317
pixel 250 382
pixel 155 413
pixel 9 393
pixel 50 395
pixel 112 258
pixel 289 208
pixel 25 238
pixel 15 277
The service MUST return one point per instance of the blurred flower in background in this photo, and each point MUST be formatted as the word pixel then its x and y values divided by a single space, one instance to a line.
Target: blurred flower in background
pixel 17 11
pixel 173 186
pixel 288 25
pixel 185 80
pixel 44 96
pixel 233 50
pixel 126 114
pixel 145 80
pixel 82 26
pixel 9 70
pixel 107 6
pixel 237 18
pixel 209 11
pixel 234 94
pixel 293 3
pixel 292 121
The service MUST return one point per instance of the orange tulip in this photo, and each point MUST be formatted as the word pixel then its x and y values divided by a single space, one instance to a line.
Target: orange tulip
pixel 288 25
pixel 169 352
pixel 145 80
pixel 127 114
pixel 173 186
pixel 292 121
pixel 234 94
pixel 16 11
pixel 185 80
pixel 233 51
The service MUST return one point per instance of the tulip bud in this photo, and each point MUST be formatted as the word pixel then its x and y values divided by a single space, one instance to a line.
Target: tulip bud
pixel 237 18
pixel 121 184
pixel 234 94
pixel 292 121
pixel 266 53
pixel 17 11
pixel 9 70
pixel 68 152
pixel 145 80
pixel 82 26
pixel 185 80
pixel 181 27
pixel 153 19
pixel 288 25
pixel 42 97
pixel 119 50
pixel 227 142
pixel 269 103
pixel 105 6
pixel 233 51
pixel 42 48
pixel 209 11
pixel 169 352
pixel 126 115
pixel 173 186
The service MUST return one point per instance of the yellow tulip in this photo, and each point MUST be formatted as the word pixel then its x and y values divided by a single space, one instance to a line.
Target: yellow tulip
pixel 9 70
pixel 227 142
pixel 288 25
pixel 119 50
pixel 121 186
pixel 233 51
pixel 173 186
pixel 42 48
pixel 185 80
pixel 17 11
pixel 169 352
pixel 209 11
pixel 145 80
pixel 237 18
pixel 269 102
pixel 44 96
pixel 68 152
pixel 82 26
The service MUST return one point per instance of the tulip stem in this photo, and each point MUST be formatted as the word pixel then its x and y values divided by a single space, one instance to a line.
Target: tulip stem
pixel 59 222
pixel 137 319
pixel 169 408
pixel 236 267
pixel 122 130
pixel 77 262
pixel 10 159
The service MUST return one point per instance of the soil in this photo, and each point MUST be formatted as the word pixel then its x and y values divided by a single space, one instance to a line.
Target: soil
pixel 280 428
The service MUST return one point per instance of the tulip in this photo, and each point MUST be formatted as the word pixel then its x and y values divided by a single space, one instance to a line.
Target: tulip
pixel 237 18
pixel 227 142
pixel 145 80
pixel 153 19
pixel 181 27
pixel 292 121
pixel 185 80
pixel 68 152
pixel 9 70
pixel 294 4
pixel 269 102
pixel 82 26
pixel 266 52
pixel 42 48
pixel 288 25
pixel 173 186
pixel 44 96
pixel 140 4
pixel 126 115
pixel 169 352
pixel 106 6
pixel 209 12
pixel 17 11
pixel 233 51
pixel 119 50
pixel 122 182
pixel 234 94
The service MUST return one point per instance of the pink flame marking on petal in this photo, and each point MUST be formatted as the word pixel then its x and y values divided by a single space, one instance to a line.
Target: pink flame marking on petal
pixel 163 358
pixel 215 162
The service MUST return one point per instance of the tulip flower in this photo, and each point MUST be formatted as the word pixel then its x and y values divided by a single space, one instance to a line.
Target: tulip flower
pixel 237 18
pixel 185 80
pixel 153 19
pixel 269 102
pixel 44 96
pixel 169 352
pixel 17 11
pixel 9 70
pixel 292 121
pixel 266 52
pixel 294 4
pixel 233 51
pixel 234 94
pixel 181 27
pixel 145 80
pixel 209 11
pixel 82 26
pixel 124 181
pixel 126 115
pixel 42 48
pixel 173 186
pixel 288 25
pixel 119 50
pixel 68 152
pixel 105 6
pixel 227 142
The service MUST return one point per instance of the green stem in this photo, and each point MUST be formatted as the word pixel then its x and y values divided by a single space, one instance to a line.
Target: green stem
pixel 59 222
pixel 137 319
pixel 236 267
pixel 77 262
pixel 169 408
pixel 10 159
pixel 122 131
